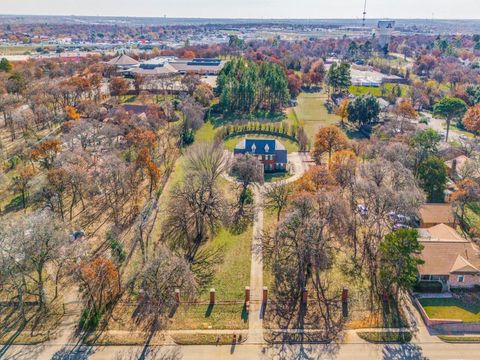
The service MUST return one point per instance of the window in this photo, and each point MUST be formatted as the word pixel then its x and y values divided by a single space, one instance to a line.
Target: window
pixel 460 278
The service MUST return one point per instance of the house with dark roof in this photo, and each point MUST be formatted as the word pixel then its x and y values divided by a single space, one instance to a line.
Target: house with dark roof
pixel 450 258
pixel 271 153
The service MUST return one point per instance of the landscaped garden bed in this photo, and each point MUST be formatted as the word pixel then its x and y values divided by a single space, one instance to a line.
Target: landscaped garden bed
pixel 209 339
pixel 385 336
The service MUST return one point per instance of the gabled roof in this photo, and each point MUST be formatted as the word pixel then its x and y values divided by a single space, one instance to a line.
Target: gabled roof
pixel 441 232
pixel 461 161
pixel 165 69
pixel 436 213
pixel 462 265
pixel 123 60
pixel 446 252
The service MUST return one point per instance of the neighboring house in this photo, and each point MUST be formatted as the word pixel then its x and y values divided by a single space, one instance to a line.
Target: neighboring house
pixel 450 259
pixel 271 153
pixel 135 109
pixel 434 214
pixel 455 166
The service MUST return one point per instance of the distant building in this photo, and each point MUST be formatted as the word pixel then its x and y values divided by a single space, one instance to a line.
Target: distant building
pixel 271 153
pixel 123 62
pixel 198 66
pixel 157 70
pixel 384 31
pixel 169 66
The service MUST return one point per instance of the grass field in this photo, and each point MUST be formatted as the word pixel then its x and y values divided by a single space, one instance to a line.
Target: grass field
pixel 216 317
pixel 208 339
pixel 376 91
pixel 451 309
pixel 311 113
pixel 206 133
pixel 16 50
pixel 459 339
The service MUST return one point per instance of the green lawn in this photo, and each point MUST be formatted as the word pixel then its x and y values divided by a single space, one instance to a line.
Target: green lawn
pixel 233 274
pixel 207 339
pixel 210 317
pixel 273 177
pixel 472 215
pixel 233 141
pixel 376 91
pixel 206 133
pixel 451 309
pixel 311 113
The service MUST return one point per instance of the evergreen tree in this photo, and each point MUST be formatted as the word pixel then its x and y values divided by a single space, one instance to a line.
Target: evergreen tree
pixel 364 109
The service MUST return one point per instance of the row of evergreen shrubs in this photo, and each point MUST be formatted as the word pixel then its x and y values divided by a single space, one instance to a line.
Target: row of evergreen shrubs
pixel 281 130
pixel 428 287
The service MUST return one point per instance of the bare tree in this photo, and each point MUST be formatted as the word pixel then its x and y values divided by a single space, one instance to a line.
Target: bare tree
pixel 248 170
pixel 158 281
pixel 195 208
pixel 278 197
pixel 33 248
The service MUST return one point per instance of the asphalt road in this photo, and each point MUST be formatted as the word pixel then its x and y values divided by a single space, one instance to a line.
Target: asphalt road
pixel 441 351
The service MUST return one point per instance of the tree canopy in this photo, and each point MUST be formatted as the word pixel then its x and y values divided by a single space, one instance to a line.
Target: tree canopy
pixel 364 109
pixel 433 178
pixel 245 87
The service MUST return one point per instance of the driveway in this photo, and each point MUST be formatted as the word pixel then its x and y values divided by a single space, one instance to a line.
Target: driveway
pixel 440 126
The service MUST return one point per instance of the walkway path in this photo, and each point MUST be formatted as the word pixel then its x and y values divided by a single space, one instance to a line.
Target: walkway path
pixel 255 316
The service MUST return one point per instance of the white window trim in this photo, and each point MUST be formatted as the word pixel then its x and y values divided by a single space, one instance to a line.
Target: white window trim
pixel 462 277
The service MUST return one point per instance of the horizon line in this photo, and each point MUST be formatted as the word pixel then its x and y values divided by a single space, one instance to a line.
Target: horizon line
pixel 238 18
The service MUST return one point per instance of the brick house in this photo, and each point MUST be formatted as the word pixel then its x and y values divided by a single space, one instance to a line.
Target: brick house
pixel 271 153
pixel 450 259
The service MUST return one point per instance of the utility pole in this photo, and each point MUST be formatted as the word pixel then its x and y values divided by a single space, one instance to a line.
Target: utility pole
pixel 364 13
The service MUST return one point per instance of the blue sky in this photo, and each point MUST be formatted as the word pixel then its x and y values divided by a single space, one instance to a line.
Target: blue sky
pixel 440 9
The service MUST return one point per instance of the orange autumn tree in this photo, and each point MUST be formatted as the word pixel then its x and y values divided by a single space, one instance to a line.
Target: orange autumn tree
pixel 72 113
pixel 343 167
pixel 405 111
pixel 144 161
pixel 328 140
pixel 471 119
pixel 342 110
pixel 46 152
pixel 316 178
pixel 21 182
pixel 99 286
pixel 141 138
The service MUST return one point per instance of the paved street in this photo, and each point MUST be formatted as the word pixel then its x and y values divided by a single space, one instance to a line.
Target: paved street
pixel 438 351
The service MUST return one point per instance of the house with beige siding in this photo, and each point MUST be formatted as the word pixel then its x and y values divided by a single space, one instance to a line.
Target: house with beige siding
pixel 451 259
